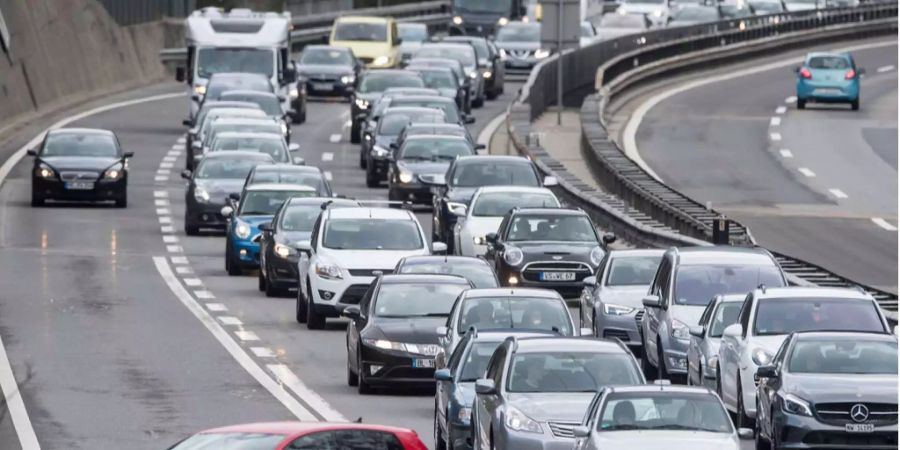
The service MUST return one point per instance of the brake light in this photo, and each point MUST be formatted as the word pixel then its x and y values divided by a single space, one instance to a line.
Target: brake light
pixel 805 73
pixel 851 74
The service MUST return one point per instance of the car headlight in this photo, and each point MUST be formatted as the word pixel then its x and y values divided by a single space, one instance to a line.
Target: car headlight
pixel 379 151
pixel 616 310
pixel 284 251
pixel 457 20
pixel 200 89
pixel 294 92
pixel 113 173
pixel 658 13
pixel 596 256
pixel 473 74
pixel 242 230
pixel 381 60
pixel 479 240
pixel 541 53
pixel 796 405
pixel 513 256
pixel 44 171
pixel 348 79
pixel 502 21
pixel 487 74
pixel 464 415
pixel 680 330
pixel 201 195
pixel 761 357
pixel 405 176
pixel 517 421
pixel 421 349
pixel 329 271
pixel 362 103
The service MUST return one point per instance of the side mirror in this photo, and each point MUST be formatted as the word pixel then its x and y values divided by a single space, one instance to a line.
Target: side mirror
pixel 289 75
pixel 299 161
pixel 609 238
pixel 180 74
pixel 468 120
pixel 186 174
pixel 234 196
pixel 485 387
pixel 581 431
pixel 304 245
pixel 352 312
pixel 393 146
pixel 733 330
pixel 443 375
pixel 128 155
pixel 226 211
pixel 438 248
pixel 442 331
pixel 491 238
pixel 281 98
pixel 293 147
pixel 590 282
pixel 651 301
pixel 480 147
pixel 767 372
pixel 266 227
pixel 696 330
pixel 459 211
pixel 550 181
pixel 195 97
pixel 745 433
pixel 187 122
pixel 31 152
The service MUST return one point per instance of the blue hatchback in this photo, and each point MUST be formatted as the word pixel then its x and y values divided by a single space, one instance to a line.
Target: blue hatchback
pixel 828 78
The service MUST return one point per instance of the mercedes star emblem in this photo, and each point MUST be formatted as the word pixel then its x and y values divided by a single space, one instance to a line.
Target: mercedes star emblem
pixel 859 412
pixel 557 258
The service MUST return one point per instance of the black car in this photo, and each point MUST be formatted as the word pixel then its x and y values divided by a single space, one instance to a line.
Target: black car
pixel 463 52
pixel 369 87
pixel 447 105
pixel 282 173
pixel 833 390
pixel 420 164
pixel 217 176
pixel 329 71
pixel 378 108
pixel 549 248
pixel 269 103
pixel 693 14
pixel 492 68
pixel 439 129
pixel 391 338
pixel 458 69
pixel 469 173
pixel 389 126
pixel 80 164
pixel 476 270
pixel 445 81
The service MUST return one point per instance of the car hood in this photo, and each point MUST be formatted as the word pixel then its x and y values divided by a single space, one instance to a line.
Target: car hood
pixel 326 69
pixel 293 238
pixel 220 187
pixel 409 47
pixel 366 49
pixel 687 314
pixel 371 259
pixel 385 141
pixel 425 168
pixel 97 163
pixel 518 45
pixel 254 221
pixel 461 194
pixel 664 440
pixel 480 226
pixel 565 249
pixel 447 92
pixel 624 295
pixel 415 330
pixel 369 96
pixel 552 406
pixel 821 388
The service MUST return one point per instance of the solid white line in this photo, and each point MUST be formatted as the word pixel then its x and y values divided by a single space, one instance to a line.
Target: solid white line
pixel 229 343
pixel 284 374
pixel 179 260
pixel 328 176
pixel 335 138
pixel 159 194
pixel 15 404
pixel 170 239
pixel 203 294
pixel 327 156
pixel 806 172
pixel 883 224
pixel 193 282
pixel 167 229
pixel 781 110
pixel 246 336
pixel 174 249
pixel 785 153
pixel 484 137
pixel 884 69
pixel 775 136
pixel 775 121
pixel 217 307
pixel 262 352
pixel 837 193
pixel 231 321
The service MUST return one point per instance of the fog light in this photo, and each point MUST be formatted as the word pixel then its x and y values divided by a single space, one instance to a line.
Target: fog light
pixel 513 280
pixel 326 295
pixel 374 368
pixel 243 252
pixel 204 218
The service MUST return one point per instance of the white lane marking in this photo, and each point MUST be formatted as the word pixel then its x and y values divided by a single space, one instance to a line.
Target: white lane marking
pixel 169 159
pixel 884 69
pixel 167 229
pixel 184 270
pixel 775 121
pixel 246 336
pixel 345 115
pixel 262 352
pixel 181 140
pixel 775 136
pixel 781 110
pixel 328 176
pixel 231 321
pixel 160 194
pixel 484 137
pixel 335 138
pixel 15 404
pixel 163 211
pixel 165 165
pixel 203 294
pixel 179 260
pixel 347 124
pixel 837 193
pixel 174 249
pixel 229 343
pixel 790 99
pixel 178 145
pixel 785 153
pixel 165 219
pixel 284 374
pixel 193 282
pixel 170 239
pixel 806 172
pixel 161 202
pixel 161 178
pixel 327 156
pixel 174 153
pixel 883 224
pixel 164 172
pixel 217 307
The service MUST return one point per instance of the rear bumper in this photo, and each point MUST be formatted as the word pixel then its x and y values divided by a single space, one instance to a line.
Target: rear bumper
pixel 102 190
pixel 827 93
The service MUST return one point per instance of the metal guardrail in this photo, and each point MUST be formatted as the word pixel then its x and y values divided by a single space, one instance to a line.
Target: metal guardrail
pixel 632 203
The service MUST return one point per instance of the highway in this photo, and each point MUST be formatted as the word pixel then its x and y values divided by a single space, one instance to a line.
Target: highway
pixel 817 184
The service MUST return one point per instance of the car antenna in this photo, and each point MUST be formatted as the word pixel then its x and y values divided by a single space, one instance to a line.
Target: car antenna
pixel 358 420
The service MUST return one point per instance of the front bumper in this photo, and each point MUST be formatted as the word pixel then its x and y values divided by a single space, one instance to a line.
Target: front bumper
pixel 203 215
pixel 460 435
pixel 102 190
pixel 568 289
pixel 415 192
pixel 330 297
pixel 282 272
pixel 394 368
pixel 323 87
pixel 675 355
pixel 800 432
pixel 246 252
pixel 623 327
pixel 378 166
pixel 518 440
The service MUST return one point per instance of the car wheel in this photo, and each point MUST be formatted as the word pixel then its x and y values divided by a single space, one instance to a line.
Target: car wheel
pixel 232 266
pixel 742 420
pixel 272 290
pixel 362 387
pixel 122 202
pixel 761 443
pixel 854 105
pixel 314 320
pixel 191 230
pixel 362 159
pixel 301 306
pixel 439 442
pixel 492 94
pixel 354 133
pixel 478 102
pixel 371 180
pixel 661 363
pixel 801 103
pixel 260 281
pixel 37 200
pixel 352 377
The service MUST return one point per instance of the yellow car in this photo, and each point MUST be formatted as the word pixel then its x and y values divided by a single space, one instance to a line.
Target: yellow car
pixel 374 40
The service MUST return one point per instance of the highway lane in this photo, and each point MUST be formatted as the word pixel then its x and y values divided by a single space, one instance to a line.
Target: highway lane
pixel 808 183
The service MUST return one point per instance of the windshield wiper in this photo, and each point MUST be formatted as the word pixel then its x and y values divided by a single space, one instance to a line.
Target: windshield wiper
pixel 255 213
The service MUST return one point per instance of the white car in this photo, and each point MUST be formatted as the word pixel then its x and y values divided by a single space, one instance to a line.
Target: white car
pixel 767 317
pixel 703 351
pixel 348 248
pixel 488 206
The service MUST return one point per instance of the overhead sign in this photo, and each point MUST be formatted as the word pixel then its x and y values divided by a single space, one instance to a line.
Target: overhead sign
pixel 553 31
pixel 4 34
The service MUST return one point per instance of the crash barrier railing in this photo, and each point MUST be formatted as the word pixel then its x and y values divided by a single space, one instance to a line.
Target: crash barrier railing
pixel 633 204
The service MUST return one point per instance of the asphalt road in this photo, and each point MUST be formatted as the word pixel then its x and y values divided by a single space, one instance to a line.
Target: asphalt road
pixel 818 184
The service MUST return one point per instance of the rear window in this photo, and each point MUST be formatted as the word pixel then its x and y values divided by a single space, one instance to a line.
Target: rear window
pixel 570 371
pixel 697 285
pixel 828 63
pixel 367 32
pixel 231 441
pixel 502 313
pixel 633 271
pixel 380 83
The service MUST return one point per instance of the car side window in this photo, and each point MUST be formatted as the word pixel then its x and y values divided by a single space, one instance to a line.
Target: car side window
pixel 745 314
pixel 324 440
pixel 456 356
pixel 707 312
pixel 495 366
pixel 367 440
pixel 314 237
pixel 366 300
pixel 601 269
pixel 778 360
pixel 501 361
pixel 503 224
pixel 661 282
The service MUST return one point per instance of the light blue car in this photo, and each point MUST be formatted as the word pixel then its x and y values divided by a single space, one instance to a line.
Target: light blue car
pixel 828 78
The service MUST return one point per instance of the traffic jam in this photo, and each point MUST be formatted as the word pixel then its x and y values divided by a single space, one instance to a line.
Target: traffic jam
pixel 474 283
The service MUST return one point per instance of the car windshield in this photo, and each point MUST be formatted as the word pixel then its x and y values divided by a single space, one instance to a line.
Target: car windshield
pixel 271 145
pixel 474 364
pixel 237 60
pixel 435 149
pixel 544 227
pixel 412 32
pixel 226 168
pixel 503 313
pixel 326 57
pixel 479 274
pixel 726 314
pixel 73 144
pixel 380 83
pixel 614 20
pixel 230 441
pixel 698 284
pixel 696 14
pixel 787 315
pixel 268 103
pixel 448 107
pixel 391 124
pixel 632 271
pixel 266 203
pixel 358 31
pixel 438 79
pixel 300 217
pixel 462 53
pixel 828 63
pixel 681 411
pixel 313 179
pixel 497 204
pixel 564 371
pixel 269 128
pixel 519 33
pixel 843 356
pixel 484 6
pixel 372 234
pixel 486 173
pixel 416 299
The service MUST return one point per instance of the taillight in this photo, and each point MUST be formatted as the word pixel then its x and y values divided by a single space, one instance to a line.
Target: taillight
pixel 805 73
pixel 851 74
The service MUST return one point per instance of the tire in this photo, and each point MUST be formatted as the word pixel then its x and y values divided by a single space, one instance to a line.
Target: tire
pixel 271 289
pixel 439 442
pixel 260 281
pixel 647 368
pixel 231 266
pixel 36 201
pixel 314 320
pixel 362 387
pixel 371 181
pixel 478 102
pixel 801 104
pixel 352 377
pixel 191 230
pixel 354 133
pixel 301 117
pixel 300 307
pixel 854 105
pixel 661 363
pixel 761 443
pixel 492 94
pixel 122 202
pixel 742 420
pixel 362 159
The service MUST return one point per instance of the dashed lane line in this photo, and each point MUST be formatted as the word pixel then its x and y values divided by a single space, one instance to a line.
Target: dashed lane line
pixel 217 307
pixel 262 352
pixel 327 156
pixel 884 224
pixel 838 193
pixel 884 69
pixel 775 121
pixel 781 110
pixel 775 136
pixel 335 138
pixel 806 172
pixel 785 153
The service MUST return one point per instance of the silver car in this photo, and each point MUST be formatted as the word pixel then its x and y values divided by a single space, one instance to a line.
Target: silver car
pixel 536 391
pixel 611 301
pixel 656 418
pixel 703 351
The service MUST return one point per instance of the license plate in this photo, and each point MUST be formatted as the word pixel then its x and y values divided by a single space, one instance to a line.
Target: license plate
pixel 425 363
pixel 859 428
pixel 557 276
pixel 80 185
pixel 828 92
pixel 323 86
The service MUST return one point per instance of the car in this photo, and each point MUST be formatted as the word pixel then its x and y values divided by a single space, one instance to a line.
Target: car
pixel 686 280
pixel 438 129
pixel 374 40
pixel 390 341
pixel 452 113
pixel 445 82
pixel 282 173
pixel 504 309
pixel 492 68
pixel 656 10
pixel 489 205
pixel 329 71
pixel 455 385
pixel 285 237
pixel 765 7
pixel 412 35
pixel 237 124
pixel 693 14
pixel 369 88
pixel 468 173
pixel 348 246
pixel 836 389
pixel 389 125
pixel 419 166
pixel 767 317
pixel 706 337
pixel 537 390
pixel 216 178
pixel 476 270
pixel 303 436
pixel 255 206
pixel 828 78
pixel 520 46
pixel 610 304
pixel 268 102
pixel 614 25
pixel 197 136
pixel 458 69
pixel 376 110
pixel 658 417
pixel 229 81
pixel 273 145
pixel 736 9
pixel 83 164
pixel 550 248
pixel 464 52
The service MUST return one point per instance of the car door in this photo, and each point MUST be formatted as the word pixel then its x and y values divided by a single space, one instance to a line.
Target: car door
pixel 591 297
pixel 357 325
pixel 367 440
pixel 307 258
pixel 443 390
pixel 485 405
pixel 695 346
pixel 650 321
pixel 768 387
pixel 729 360
pixel 322 440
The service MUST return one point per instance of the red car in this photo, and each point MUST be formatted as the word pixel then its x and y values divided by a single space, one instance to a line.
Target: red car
pixel 303 436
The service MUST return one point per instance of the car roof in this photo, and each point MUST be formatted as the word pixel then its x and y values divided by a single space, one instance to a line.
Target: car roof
pixel 493 158
pixel 245 120
pixel 81 131
pixel 512 292
pixel 248 93
pixel 550 211
pixel 286 168
pixel 731 298
pixel 237 154
pixel 444 44
pixel 389 73
pixel 410 109
pixel 412 25
pixel 250 109
pixel 824 293
pixel 216 104
pixel 661 388
pixel 636 252
pixel 521 24
pixel 326 47
pixel 247 134
pixel 237 75
pixel 319 201
pixel 287 428
pixel 423 278
pixel 499 336
pixel 280 187
pixel 424 60
pixel 442 125
pixel 371 213
pixel 853 336
pixel 363 19
pixel 423 68
pixel 420 97
pixel 724 254
pixel 448 259
pixel 566 343
pixel 836 54
pixel 449 137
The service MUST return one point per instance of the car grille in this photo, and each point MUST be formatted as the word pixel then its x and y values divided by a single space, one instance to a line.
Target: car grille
pixel 520 53
pixel 354 294
pixel 80 176
pixel 369 272
pixel 430 179
pixel 638 317
pixel 532 271
pixel 563 429
pixel 324 78
pixel 612 333
pixel 853 440
pixel 366 59
pixel 839 413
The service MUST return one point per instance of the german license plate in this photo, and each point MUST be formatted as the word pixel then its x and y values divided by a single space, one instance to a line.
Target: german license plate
pixel 80 185
pixel 323 86
pixel 859 428
pixel 423 363
pixel 828 92
pixel 557 276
